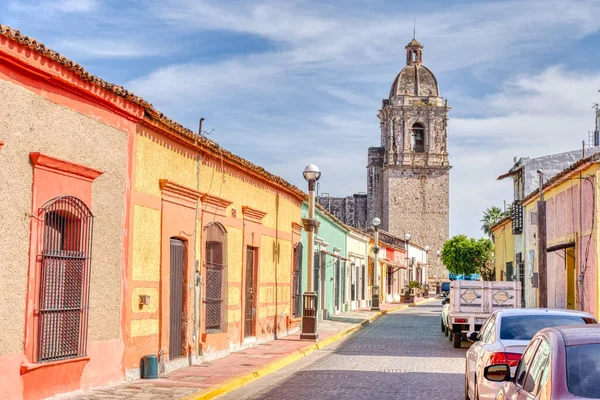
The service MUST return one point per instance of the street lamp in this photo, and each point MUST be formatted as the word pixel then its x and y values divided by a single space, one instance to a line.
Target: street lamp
pixel 309 312
pixel 407 239
pixel 375 289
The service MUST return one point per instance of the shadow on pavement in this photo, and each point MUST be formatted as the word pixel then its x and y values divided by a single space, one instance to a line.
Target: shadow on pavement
pixel 380 385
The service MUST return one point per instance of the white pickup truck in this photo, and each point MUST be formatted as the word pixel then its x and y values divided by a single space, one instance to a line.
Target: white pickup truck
pixel 472 302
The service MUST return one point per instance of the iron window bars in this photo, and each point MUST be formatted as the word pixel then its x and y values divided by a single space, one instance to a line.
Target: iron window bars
pixel 66 253
pixel 216 278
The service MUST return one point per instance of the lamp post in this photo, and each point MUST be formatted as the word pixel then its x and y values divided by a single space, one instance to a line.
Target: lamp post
pixel 309 311
pixel 425 274
pixel 375 289
pixel 427 248
pixel 438 284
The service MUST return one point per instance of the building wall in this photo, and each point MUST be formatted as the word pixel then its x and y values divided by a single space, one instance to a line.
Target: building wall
pixel 37 116
pixel 358 253
pixel 418 203
pixel 503 249
pixel 333 235
pixel 563 216
pixel 226 195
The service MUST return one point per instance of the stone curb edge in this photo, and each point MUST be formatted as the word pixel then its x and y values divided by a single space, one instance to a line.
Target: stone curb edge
pixel 238 382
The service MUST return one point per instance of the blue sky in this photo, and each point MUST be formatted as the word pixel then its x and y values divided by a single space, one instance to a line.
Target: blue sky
pixel 287 83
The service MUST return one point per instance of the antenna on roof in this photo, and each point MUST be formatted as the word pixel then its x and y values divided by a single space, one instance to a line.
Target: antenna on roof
pixel 415 30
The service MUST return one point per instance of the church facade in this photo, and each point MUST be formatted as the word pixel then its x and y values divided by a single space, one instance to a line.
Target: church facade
pixel 408 174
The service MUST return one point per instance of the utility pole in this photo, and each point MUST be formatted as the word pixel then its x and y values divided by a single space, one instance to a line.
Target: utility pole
pixel 541 242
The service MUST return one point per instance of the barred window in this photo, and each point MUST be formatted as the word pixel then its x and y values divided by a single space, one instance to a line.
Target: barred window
pixel 215 261
pixel 66 252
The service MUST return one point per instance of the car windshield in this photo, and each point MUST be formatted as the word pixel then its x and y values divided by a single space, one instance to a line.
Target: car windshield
pixel 583 370
pixel 524 327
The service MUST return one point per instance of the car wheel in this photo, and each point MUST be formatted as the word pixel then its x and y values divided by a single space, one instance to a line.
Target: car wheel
pixel 450 334
pixel 446 330
pixel 456 340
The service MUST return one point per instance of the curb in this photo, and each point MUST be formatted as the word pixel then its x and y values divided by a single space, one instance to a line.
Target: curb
pixel 238 382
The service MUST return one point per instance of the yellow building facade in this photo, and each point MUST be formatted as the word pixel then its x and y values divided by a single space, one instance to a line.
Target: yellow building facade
pixel 504 249
pixel 211 249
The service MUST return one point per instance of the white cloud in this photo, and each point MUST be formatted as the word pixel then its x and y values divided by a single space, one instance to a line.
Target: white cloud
pixel 531 116
pixel 52 6
pixel 312 92
pixel 85 48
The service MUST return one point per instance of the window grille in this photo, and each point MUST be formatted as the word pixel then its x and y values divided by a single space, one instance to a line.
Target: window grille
pixel 517 218
pixel 66 252
pixel 297 294
pixel 216 277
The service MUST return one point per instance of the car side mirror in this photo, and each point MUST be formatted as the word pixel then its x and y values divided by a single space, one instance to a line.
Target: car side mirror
pixel 473 336
pixel 497 373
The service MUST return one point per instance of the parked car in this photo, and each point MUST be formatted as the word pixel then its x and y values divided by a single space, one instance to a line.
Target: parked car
pixel 559 363
pixel 444 318
pixel 503 339
pixel 445 288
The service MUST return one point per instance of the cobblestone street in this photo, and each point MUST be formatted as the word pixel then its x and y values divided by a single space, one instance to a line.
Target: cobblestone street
pixel 402 355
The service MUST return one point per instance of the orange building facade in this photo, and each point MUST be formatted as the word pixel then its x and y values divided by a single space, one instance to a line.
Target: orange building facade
pixel 63 210
pixel 129 235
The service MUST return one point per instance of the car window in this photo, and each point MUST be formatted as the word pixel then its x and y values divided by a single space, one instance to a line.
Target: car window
pixel 583 370
pixel 539 368
pixel 489 329
pixel 524 327
pixel 524 365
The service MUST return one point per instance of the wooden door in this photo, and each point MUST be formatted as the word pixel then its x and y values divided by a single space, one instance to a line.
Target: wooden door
pixel 250 307
pixel 176 299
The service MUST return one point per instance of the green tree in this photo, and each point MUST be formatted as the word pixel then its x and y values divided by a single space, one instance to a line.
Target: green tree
pixel 490 217
pixel 466 256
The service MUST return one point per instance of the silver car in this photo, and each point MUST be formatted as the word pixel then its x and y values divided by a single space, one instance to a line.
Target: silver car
pixel 503 339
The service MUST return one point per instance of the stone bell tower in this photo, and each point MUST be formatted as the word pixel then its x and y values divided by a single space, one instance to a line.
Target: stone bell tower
pixel 408 175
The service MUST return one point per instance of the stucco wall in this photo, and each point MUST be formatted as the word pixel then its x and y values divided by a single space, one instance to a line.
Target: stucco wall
pixel 29 123
pixel 335 236
pixel 159 157
pixel 503 250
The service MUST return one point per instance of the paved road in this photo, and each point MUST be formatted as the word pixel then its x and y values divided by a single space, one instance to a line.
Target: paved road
pixel 402 355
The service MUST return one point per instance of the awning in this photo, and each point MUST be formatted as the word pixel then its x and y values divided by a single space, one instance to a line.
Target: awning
pixel 387 262
pixel 506 175
pixel 561 246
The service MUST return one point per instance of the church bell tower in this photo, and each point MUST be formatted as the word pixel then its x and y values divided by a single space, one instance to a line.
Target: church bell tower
pixel 408 175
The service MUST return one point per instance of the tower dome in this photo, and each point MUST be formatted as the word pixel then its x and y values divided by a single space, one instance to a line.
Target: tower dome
pixel 415 79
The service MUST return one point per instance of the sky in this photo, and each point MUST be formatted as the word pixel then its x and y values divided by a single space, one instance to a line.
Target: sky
pixel 288 83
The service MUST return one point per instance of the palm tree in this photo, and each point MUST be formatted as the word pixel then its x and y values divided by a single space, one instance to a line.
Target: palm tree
pixel 490 217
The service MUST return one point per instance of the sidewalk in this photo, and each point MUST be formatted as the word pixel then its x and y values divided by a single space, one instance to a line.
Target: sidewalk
pixel 217 377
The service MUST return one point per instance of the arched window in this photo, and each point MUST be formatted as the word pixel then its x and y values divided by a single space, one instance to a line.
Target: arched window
pixel 215 261
pixel 297 282
pixel 418 135
pixel 66 252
